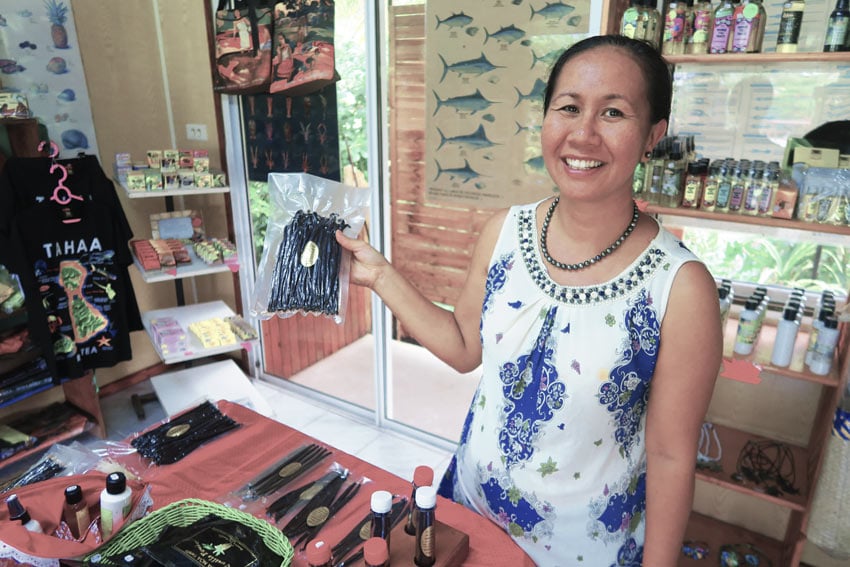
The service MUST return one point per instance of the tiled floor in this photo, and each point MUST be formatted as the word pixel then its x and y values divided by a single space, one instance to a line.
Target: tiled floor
pixel 386 449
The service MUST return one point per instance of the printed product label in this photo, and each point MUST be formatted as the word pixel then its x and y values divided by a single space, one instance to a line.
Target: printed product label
pixel 741 35
pixel 691 189
pixel 724 190
pixel 789 27
pixel 747 331
pixel 702 24
pixel 710 195
pixel 720 37
pixel 736 196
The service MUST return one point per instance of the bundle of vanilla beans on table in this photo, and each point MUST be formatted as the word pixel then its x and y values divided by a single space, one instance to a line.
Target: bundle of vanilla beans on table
pixel 182 434
pixel 285 471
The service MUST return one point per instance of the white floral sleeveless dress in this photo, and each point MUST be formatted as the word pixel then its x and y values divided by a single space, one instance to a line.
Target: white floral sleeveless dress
pixel 553 447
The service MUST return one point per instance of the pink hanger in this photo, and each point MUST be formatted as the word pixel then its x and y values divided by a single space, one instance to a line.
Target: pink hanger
pixel 61 194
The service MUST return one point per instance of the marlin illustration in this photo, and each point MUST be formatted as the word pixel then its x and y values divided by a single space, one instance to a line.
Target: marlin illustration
pixel 455 20
pixel 553 10
pixel 469 67
pixel 465 173
pixel 535 94
pixel 464 103
pixel 476 140
pixel 536 164
pixel 548 59
pixel 508 34
pixel 532 128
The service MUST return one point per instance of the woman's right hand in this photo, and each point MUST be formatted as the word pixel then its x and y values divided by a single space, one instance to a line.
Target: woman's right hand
pixel 367 264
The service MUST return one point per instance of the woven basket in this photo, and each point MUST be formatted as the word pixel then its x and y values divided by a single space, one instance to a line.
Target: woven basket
pixel 181 514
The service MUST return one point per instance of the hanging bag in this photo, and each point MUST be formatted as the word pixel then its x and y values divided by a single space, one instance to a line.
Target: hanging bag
pixel 243 47
pixel 303 47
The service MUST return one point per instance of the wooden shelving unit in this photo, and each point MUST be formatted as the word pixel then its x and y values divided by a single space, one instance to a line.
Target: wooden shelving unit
pixel 808 459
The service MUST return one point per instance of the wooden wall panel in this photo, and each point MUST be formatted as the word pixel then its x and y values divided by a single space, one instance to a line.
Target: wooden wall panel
pixel 432 242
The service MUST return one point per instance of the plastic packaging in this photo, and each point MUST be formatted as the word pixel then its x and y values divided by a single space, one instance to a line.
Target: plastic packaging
pixel 303 269
pixel 115 502
pixel 786 336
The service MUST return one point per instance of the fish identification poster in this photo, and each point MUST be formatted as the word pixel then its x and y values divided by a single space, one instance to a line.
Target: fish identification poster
pixel 486 69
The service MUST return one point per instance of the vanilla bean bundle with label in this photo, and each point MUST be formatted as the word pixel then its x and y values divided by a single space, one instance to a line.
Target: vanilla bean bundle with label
pixel 173 440
pixel 303 269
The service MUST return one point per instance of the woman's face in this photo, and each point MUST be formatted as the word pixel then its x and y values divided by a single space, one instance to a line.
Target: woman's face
pixel 597 126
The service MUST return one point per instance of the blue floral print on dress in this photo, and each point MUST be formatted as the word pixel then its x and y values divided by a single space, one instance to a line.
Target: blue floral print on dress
pixel 626 393
pixel 532 394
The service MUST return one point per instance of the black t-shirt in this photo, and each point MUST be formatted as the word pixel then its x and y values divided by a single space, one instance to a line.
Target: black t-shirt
pixel 77 270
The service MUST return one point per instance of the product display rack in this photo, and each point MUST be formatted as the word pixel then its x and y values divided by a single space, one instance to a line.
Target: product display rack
pixel 186 314
pixel 808 459
pixel 197 267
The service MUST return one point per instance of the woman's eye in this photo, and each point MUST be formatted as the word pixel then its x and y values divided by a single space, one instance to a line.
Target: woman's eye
pixel 569 108
pixel 613 112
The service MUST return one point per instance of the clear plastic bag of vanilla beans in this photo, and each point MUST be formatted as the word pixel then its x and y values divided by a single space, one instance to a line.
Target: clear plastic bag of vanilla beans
pixel 303 269
pixel 210 540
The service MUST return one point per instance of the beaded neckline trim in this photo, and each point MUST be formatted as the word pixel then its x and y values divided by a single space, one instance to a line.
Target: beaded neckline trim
pixel 639 271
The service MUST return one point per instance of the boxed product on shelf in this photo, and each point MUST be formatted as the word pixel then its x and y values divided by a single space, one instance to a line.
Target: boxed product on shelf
pixel 213 332
pixel 168 335
pixel 144 251
pixel 241 328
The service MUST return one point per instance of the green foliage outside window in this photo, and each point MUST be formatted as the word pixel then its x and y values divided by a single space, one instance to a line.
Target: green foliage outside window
pixel 771 261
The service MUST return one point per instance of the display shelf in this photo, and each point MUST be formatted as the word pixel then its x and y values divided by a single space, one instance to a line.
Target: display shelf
pixel 185 315
pixel 732 441
pixel 171 192
pixel 760 58
pixel 75 426
pixel 764 348
pixel 716 533
pixel 196 267
pixel 746 219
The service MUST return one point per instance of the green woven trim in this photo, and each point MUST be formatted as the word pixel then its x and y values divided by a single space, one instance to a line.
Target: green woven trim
pixel 181 514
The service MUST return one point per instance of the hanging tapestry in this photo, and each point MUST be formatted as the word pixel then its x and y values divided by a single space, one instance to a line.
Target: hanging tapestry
pixel 288 134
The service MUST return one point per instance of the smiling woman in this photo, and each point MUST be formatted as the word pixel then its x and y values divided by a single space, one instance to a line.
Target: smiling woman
pixel 563 446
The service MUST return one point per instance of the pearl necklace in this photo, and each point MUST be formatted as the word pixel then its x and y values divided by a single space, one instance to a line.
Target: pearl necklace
pixel 582 265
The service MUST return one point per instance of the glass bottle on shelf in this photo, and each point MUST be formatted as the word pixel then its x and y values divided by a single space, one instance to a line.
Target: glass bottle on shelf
pixel 837 36
pixel 747 27
pixel 654 23
pixel 698 41
pixel 789 26
pixel 673 40
pixel 629 21
pixel 721 27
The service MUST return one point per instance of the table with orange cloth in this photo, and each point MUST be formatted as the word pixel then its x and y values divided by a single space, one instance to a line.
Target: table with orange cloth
pixel 227 463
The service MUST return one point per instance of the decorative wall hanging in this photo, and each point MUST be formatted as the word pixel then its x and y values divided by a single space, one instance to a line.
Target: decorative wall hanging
pixel 303 47
pixel 486 75
pixel 243 47
pixel 286 134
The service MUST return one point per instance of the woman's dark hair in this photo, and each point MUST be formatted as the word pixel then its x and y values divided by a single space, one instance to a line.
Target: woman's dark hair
pixel 656 73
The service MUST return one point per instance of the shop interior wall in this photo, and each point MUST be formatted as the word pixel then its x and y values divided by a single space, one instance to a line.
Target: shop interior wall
pixel 131 84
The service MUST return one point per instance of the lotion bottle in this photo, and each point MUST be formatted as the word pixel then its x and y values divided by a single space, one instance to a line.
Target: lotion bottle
pixel 115 502
pixel 19 513
pixel 786 336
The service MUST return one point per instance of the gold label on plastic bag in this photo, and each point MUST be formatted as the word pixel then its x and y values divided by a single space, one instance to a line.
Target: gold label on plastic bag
pixel 311 492
pixel 310 254
pixel 177 430
pixel 318 516
pixel 289 469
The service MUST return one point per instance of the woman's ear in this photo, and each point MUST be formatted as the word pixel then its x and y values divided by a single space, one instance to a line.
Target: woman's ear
pixel 658 130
